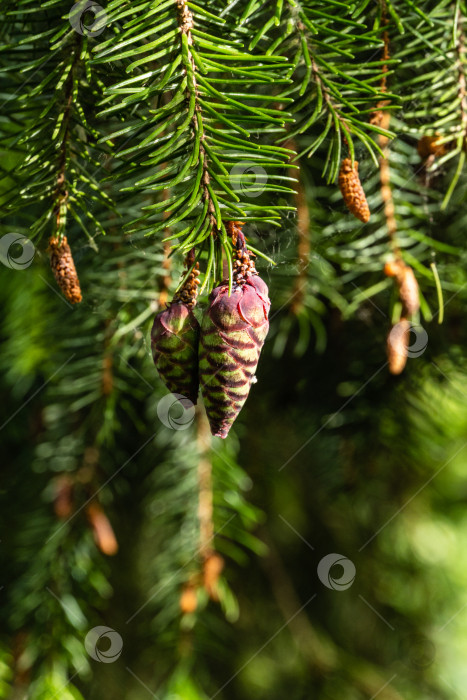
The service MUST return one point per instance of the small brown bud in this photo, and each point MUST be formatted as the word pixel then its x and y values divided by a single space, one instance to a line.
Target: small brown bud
pixel 104 535
pixel 212 569
pixel 352 190
pixel 389 209
pixel 376 118
pixel 407 283
pixel 188 599
pixel 431 146
pixel 392 268
pixel 63 496
pixel 397 344
pixel 408 291
pixel 63 267
pixel 386 193
pixel 381 117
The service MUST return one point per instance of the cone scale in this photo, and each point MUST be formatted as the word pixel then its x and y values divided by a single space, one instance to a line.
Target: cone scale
pixel 174 343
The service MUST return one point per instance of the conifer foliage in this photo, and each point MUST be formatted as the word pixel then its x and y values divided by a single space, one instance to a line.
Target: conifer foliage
pixel 167 158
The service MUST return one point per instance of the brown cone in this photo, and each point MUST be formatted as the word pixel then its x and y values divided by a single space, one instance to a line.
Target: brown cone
pixel 352 190
pixel 63 267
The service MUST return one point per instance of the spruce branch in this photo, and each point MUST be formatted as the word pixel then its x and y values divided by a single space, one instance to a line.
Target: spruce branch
pixel 383 118
pixel 187 94
pixel 186 24
pixel 60 194
pixel 433 92
pixel 461 67
pixel 201 131
pixel 53 135
pixel 327 92
pixel 408 292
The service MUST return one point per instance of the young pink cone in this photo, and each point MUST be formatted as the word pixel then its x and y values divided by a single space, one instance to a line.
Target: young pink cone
pixel 174 342
pixel 232 335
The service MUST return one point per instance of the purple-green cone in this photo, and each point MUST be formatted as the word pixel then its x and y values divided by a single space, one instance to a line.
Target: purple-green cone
pixel 174 342
pixel 232 335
